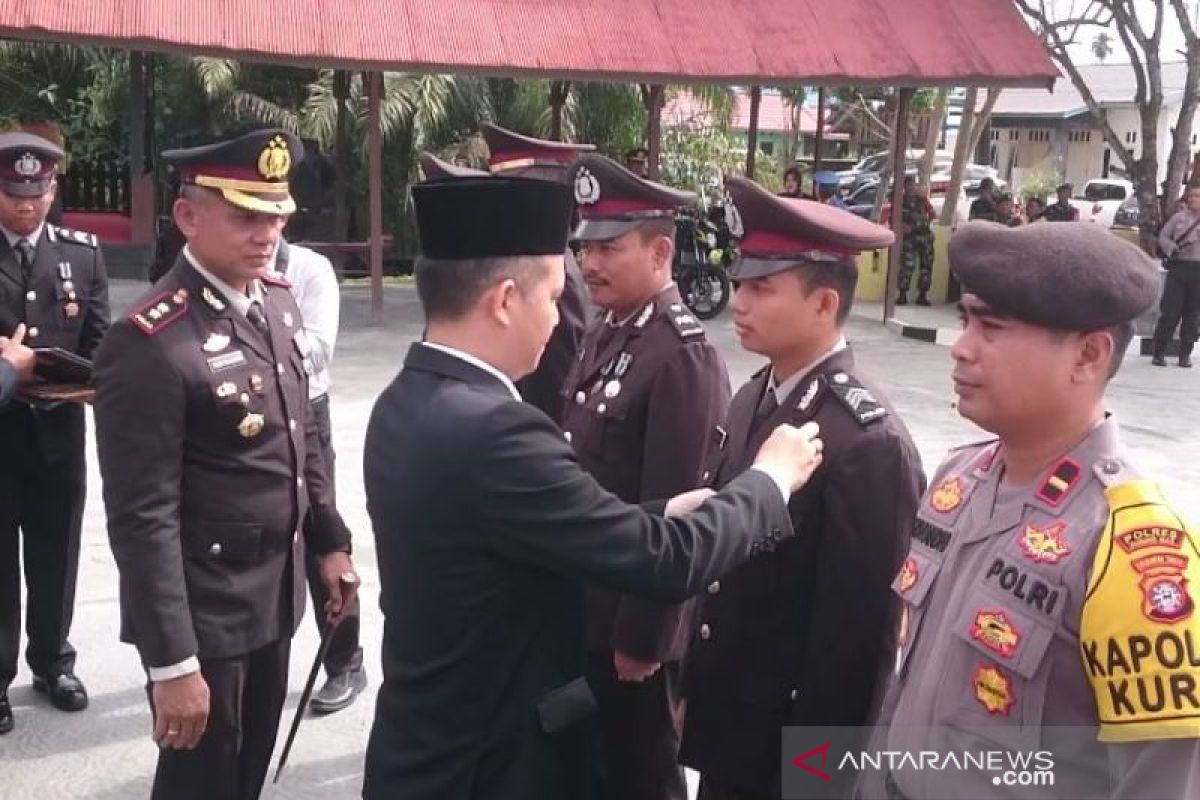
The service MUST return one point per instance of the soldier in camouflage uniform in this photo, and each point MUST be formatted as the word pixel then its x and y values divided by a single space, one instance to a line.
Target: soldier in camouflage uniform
pixel 917 252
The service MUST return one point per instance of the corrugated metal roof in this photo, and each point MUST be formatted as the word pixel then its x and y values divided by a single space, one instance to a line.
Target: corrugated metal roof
pixel 774 114
pixel 891 42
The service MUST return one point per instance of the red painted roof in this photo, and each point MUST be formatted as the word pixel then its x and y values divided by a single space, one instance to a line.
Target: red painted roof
pixel 892 42
pixel 774 114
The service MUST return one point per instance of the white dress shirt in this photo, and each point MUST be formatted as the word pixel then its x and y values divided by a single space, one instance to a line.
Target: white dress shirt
pixel 31 238
pixel 315 287
pixel 783 390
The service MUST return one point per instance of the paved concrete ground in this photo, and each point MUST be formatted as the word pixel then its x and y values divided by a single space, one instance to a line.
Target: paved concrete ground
pixel 105 753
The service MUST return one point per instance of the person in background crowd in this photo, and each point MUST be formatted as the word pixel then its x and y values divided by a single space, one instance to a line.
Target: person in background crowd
pixel 1005 213
pixel 637 161
pixel 1179 241
pixel 984 206
pixel 827 189
pixel 791 182
pixel 1034 209
pixel 1061 209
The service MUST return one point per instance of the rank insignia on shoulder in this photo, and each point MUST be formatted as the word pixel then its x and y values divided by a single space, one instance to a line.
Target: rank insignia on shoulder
pixel 275 279
pixel 685 324
pixel 856 397
pixel 76 237
pixel 151 317
pixel 1059 482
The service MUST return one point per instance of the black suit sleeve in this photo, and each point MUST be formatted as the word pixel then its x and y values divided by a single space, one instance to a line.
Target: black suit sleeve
pixel 140 411
pixel 870 498
pixel 8 382
pixel 539 506
pixel 96 319
pixel 688 398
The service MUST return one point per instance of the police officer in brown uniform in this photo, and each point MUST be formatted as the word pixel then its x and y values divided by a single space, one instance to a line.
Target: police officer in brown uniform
pixel 52 280
pixel 797 636
pixel 642 403
pixel 1047 599
pixel 211 459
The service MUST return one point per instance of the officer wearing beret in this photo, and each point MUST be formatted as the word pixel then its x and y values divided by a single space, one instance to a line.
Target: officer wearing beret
pixel 642 406
pixel 1048 597
pixel 797 637
pixel 486 525
pixel 1061 209
pixel 52 280
pixel 211 461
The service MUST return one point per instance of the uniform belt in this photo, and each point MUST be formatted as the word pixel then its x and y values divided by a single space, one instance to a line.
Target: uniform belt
pixel 893 791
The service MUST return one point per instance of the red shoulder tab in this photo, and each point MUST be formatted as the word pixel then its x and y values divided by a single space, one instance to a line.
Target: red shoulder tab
pixel 275 279
pixel 159 312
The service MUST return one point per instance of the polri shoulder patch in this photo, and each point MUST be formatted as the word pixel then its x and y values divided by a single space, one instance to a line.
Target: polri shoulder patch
pixel 857 398
pixel 275 279
pixel 75 237
pixel 157 313
pixel 686 325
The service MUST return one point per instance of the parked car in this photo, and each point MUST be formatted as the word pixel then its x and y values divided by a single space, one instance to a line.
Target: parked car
pixel 1128 214
pixel 862 201
pixel 869 169
pixel 1100 200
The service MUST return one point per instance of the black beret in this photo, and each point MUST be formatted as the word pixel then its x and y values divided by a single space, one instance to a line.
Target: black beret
pixel 1073 276
pixel 776 232
pixel 487 217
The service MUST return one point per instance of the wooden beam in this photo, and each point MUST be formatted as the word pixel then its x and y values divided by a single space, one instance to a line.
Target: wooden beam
pixel 752 133
pixel 655 99
pixel 375 173
pixel 820 130
pixel 899 165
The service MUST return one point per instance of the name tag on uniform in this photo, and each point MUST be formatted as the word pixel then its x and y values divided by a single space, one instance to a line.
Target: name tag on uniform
pixel 226 361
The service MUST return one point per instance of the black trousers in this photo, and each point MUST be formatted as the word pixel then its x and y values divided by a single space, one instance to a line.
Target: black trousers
pixel 234 754
pixel 43 476
pixel 639 732
pixel 1180 305
pixel 344 654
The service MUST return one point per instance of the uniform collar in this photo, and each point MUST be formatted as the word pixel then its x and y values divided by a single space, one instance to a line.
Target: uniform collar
pixel 1059 483
pixel 240 302
pixel 31 238
pixel 643 313
pixel 784 390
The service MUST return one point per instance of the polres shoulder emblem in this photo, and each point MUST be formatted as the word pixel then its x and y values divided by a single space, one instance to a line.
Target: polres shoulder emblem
pixel 587 188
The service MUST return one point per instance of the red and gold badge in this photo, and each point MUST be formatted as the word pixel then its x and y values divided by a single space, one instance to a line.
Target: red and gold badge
pixel 909 574
pixel 993 630
pixel 1150 536
pixel 947 495
pixel 1165 595
pixel 1045 545
pixel 993 690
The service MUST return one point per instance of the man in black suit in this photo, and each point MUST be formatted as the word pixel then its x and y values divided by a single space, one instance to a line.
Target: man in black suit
pixel 52 280
pixel 799 636
pixel 211 459
pixel 486 526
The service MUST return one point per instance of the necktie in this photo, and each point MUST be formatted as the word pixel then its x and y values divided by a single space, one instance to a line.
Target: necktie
pixel 258 319
pixel 766 408
pixel 24 256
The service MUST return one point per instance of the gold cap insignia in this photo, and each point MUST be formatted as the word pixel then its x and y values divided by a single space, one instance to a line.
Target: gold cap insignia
pixel 275 161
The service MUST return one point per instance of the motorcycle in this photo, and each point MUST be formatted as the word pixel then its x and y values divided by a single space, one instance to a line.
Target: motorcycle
pixel 703 251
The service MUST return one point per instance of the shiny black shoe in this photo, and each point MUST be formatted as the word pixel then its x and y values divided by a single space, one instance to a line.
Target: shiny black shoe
pixel 6 717
pixel 66 692
pixel 1185 362
pixel 339 691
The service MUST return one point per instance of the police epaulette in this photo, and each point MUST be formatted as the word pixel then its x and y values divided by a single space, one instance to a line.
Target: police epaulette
pixel 75 237
pixel 856 397
pixel 275 279
pixel 687 326
pixel 159 312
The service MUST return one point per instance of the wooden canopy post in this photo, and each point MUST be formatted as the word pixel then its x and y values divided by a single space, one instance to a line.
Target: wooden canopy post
pixel 820 131
pixel 752 133
pixel 899 167
pixel 375 200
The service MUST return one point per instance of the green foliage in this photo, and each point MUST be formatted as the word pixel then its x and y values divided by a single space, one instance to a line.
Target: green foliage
pixel 697 157
pixel 1040 184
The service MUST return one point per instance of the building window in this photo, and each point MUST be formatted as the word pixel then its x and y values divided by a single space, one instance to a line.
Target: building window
pixel 1014 136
